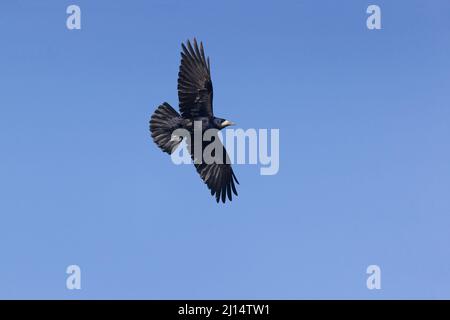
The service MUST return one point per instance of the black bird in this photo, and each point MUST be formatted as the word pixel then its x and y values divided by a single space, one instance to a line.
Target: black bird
pixel 195 95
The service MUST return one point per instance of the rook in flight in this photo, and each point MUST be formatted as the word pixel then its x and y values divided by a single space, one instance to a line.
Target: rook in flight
pixel 195 95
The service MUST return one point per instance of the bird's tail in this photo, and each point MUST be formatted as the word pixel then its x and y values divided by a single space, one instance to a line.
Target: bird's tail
pixel 164 121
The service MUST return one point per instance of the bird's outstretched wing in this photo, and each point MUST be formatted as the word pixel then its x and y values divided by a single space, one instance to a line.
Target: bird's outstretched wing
pixel 219 177
pixel 195 91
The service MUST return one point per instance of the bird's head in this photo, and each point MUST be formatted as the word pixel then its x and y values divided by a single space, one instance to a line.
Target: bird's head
pixel 222 123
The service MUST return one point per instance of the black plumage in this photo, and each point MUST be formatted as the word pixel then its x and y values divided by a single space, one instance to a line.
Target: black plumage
pixel 195 95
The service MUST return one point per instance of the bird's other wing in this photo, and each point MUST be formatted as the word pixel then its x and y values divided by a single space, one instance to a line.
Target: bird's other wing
pixel 219 177
pixel 195 91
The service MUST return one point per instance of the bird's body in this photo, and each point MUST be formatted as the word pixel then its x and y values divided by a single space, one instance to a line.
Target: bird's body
pixel 195 93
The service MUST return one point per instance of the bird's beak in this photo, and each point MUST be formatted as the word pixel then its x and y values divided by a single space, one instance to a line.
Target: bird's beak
pixel 227 123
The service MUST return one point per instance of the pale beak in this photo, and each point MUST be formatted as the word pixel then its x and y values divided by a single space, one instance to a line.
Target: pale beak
pixel 227 123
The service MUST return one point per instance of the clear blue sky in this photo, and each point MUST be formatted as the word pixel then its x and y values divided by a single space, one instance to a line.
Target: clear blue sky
pixel 364 157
